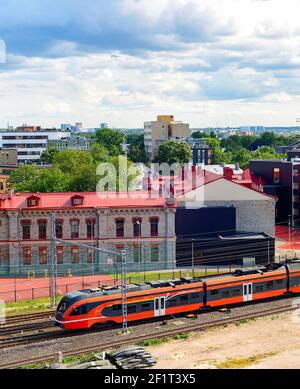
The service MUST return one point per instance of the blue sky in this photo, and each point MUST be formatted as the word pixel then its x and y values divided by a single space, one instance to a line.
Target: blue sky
pixel 208 62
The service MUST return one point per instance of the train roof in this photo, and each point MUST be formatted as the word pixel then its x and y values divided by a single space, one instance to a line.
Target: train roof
pixel 111 290
pixel 104 291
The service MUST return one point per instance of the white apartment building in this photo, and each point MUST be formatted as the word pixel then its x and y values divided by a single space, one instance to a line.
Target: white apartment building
pixel 30 142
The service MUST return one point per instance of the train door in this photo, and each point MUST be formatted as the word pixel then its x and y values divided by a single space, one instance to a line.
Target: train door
pixel 248 292
pixel 159 306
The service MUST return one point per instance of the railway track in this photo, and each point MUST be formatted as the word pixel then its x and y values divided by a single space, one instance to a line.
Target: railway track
pixel 26 323
pixel 27 318
pixel 132 339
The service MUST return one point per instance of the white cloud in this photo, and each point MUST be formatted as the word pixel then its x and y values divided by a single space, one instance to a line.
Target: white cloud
pixel 225 62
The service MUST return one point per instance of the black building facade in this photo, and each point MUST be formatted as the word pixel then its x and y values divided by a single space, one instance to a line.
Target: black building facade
pixel 283 181
pixel 207 236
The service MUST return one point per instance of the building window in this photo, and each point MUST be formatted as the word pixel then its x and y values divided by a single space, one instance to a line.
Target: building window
pixel 43 255
pixel 60 255
pixel 137 227
pixel 90 228
pixel 137 253
pixel 155 254
pixel 59 229
pixel 90 256
pixel 120 228
pixel 154 226
pixel 26 256
pixel 75 229
pixel 33 201
pixel 119 249
pixel 77 200
pixel 42 229
pixel 75 254
pixel 276 175
pixel 26 229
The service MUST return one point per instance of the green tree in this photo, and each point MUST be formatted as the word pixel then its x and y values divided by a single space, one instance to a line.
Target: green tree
pixel 242 156
pixel 99 153
pixel 111 139
pixel 48 155
pixel 51 180
pixel 85 179
pixel 137 152
pixel 174 152
pixel 23 178
pixel 69 161
pixel 198 135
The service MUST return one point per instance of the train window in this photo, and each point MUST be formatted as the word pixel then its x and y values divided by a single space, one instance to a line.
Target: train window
pixel 184 299
pixel 146 307
pixel 117 307
pixel 172 303
pixel 195 295
pixel 131 308
pixel 270 285
pixel 156 304
pixel 79 311
pixel 214 292
pixel 236 292
pixel 259 288
pixel 62 306
pixel 225 293
pixel 280 282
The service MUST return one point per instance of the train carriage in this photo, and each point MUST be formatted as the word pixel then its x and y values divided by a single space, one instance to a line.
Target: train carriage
pixel 102 306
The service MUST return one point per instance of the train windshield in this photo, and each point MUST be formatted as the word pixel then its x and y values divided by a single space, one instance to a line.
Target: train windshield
pixel 63 305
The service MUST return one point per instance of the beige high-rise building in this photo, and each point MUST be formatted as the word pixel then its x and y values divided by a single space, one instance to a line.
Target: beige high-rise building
pixel 161 130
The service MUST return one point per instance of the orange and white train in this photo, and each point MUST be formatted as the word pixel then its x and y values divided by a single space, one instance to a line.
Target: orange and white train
pixel 103 306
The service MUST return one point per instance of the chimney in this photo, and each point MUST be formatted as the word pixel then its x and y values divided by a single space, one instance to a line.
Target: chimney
pixel 10 193
pixel 194 172
pixel 228 173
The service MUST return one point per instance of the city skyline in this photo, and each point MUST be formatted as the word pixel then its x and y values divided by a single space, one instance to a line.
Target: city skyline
pixel 214 64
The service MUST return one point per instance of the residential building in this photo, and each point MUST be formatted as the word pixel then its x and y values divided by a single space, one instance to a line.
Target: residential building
pixel 78 127
pixel 30 142
pixel 282 180
pixel 202 153
pixel 8 156
pixel 161 130
pixel 73 142
pixel 104 125
pixel 145 227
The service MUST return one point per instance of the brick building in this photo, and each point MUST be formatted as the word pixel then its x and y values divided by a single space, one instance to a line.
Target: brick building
pixel 143 226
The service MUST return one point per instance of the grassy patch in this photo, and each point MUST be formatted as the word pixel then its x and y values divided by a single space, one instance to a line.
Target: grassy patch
pixel 28 306
pixel 240 363
pixel 79 359
pixel 32 367
pixel 245 321
pixel 154 276
pixel 157 342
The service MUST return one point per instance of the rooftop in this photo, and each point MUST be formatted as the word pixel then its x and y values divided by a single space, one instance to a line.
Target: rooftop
pixel 89 200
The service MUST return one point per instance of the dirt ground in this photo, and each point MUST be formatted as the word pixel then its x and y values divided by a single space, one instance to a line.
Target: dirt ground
pixel 272 342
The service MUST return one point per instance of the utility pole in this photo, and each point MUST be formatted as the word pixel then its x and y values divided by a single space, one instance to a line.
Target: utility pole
pixel 53 263
pixel 124 294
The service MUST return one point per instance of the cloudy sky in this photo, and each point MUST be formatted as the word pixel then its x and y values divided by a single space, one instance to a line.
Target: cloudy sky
pixel 208 62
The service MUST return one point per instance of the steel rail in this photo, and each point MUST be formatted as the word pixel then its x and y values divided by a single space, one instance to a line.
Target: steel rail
pixel 131 338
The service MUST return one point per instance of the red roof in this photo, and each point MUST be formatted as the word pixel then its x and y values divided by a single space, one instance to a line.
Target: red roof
pixel 90 200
